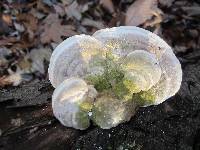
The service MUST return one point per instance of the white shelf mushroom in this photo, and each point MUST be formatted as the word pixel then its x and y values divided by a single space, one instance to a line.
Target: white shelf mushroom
pixel 72 101
pixel 127 66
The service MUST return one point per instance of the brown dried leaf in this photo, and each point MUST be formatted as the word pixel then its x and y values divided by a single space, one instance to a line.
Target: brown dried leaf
pixel 14 79
pixel 108 4
pixel 3 53
pixel 166 3
pixel 192 11
pixel 26 41
pixel 4 28
pixel 92 23
pixel 53 30
pixel 37 13
pixel 4 81
pixel 7 19
pixel 5 41
pixel 37 57
pixel 74 10
pixel 29 21
pixel 140 11
pixel 41 6
pixel 59 8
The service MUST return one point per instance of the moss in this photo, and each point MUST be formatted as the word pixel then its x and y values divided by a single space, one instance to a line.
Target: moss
pixel 130 85
pixel 98 114
pixel 113 80
pixel 125 89
pixel 82 115
pixel 86 106
pixel 112 75
pixel 144 98
pixel 121 91
pixel 100 82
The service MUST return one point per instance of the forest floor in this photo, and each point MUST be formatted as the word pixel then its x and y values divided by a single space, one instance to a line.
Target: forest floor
pixel 30 30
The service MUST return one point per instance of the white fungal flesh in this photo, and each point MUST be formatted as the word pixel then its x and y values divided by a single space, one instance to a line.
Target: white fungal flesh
pixel 123 40
pixel 108 112
pixel 67 99
pixel 71 58
pixel 147 61
pixel 143 68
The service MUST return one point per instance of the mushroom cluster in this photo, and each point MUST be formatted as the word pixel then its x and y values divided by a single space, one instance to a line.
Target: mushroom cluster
pixel 106 76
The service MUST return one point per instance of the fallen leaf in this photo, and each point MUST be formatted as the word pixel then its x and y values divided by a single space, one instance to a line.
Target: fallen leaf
pixel 14 79
pixel 73 10
pixel 3 53
pixel 140 11
pixel 192 11
pixel 108 4
pixel 5 41
pixel 156 20
pixel 19 27
pixel 166 3
pixel 181 49
pixel 37 57
pixel 92 23
pixel 4 28
pixel 67 2
pixel 29 21
pixel 7 19
pixel 59 8
pixel 42 7
pixel 37 13
pixel 24 64
pixel 4 81
pixel 53 30
pixel 26 41
pixel 49 2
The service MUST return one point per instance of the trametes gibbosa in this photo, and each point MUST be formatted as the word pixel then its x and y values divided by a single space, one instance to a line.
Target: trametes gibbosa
pixel 106 76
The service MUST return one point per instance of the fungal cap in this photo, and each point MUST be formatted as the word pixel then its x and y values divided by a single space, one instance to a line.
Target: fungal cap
pixel 71 102
pixel 108 111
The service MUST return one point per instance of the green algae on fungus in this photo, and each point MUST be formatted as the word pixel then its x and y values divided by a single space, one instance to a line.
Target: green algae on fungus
pixel 112 74
pixel 124 89
pixel 99 81
pixel 114 79
pixel 144 98
pixel 82 119
pixel 86 106
pixel 108 111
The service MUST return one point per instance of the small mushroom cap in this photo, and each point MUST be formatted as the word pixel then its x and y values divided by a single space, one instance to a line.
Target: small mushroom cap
pixel 125 39
pixel 108 111
pixel 142 69
pixel 72 58
pixel 71 102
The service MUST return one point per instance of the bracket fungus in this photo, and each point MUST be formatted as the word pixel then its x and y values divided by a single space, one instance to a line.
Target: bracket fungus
pixel 106 76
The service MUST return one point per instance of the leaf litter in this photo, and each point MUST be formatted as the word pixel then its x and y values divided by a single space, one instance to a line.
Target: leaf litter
pixel 30 30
